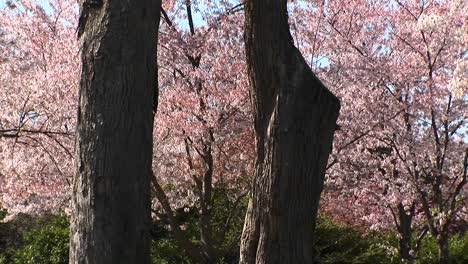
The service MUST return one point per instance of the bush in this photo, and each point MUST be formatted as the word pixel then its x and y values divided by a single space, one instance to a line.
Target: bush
pixel 3 213
pixel 458 248
pixel 165 249
pixel 11 235
pixel 45 241
pixel 336 243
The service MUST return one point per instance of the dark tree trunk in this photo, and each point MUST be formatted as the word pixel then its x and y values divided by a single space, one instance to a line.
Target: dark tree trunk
pixel 444 256
pixel 294 118
pixel 206 205
pixel 405 232
pixel 118 92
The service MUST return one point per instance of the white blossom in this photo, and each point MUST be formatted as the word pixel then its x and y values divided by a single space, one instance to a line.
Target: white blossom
pixel 459 82
pixel 429 22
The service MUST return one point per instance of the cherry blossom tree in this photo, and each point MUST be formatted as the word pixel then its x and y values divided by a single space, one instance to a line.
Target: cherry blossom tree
pixel 399 68
pixel 38 78
pixel 401 148
pixel 205 137
pixel 195 146
pixel 226 108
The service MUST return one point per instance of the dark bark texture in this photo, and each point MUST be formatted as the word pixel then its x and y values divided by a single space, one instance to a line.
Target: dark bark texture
pixel 405 230
pixel 294 118
pixel 117 99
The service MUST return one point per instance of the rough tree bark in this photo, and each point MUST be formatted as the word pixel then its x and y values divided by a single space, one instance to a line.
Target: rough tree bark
pixel 118 97
pixel 405 230
pixel 294 118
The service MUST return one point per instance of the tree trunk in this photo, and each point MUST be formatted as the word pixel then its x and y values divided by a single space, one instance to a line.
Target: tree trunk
pixel 206 205
pixel 118 93
pixel 405 232
pixel 294 118
pixel 442 242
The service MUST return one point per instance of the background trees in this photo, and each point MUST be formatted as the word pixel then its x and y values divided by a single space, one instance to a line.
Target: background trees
pixel 357 49
pixel 204 141
pixel 39 77
pixel 404 160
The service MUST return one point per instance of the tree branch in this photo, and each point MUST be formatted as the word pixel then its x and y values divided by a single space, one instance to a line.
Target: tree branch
pixel 180 235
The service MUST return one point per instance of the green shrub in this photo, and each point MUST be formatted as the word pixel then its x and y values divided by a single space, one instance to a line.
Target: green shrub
pixel 3 213
pixel 11 235
pixel 165 249
pixel 458 248
pixel 336 243
pixel 46 242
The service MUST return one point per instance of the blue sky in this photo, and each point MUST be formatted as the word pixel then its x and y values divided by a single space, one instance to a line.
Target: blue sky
pixel 46 7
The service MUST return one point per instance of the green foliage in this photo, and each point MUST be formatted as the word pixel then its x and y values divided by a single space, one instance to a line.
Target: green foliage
pixel 458 248
pixel 226 209
pixel 428 252
pixel 165 248
pixel 335 243
pixel 167 251
pixel 11 235
pixel 45 242
pixel 3 213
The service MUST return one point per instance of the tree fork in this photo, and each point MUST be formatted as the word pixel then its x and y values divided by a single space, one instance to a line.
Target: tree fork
pixel 294 120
